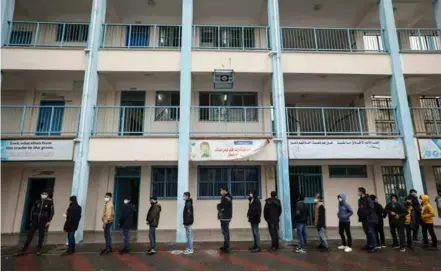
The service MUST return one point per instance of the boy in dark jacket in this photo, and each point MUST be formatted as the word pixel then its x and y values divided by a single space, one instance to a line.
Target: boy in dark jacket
pixel 271 213
pixel 320 222
pixel 153 221
pixel 379 228
pixel 254 213
pixel 368 218
pixel 396 213
pixel 344 222
pixel 225 213
pixel 409 221
pixel 126 223
pixel 301 218
pixel 417 208
pixel 73 217
pixel 188 215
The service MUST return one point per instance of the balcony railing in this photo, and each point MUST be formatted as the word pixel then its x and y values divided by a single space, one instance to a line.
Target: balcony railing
pixel 419 39
pixel 40 120
pixel 332 39
pixel 47 34
pixel 427 121
pixel 230 37
pixel 142 36
pixel 302 121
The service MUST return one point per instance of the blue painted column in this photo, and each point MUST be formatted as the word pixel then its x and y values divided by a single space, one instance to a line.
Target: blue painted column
pixel 89 100
pixel 184 120
pixel 437 9
pixel 7 7
pixel 399 98
pixel 278 93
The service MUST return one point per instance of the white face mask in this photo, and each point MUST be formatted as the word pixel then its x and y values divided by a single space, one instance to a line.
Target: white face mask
pixel 315 200
pixel 126 201
pixel 43 196
pixel 251 195
pixel 339 199
pixel 106 199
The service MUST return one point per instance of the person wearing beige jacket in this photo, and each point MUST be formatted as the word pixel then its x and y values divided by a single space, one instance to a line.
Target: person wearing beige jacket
pixel 108 218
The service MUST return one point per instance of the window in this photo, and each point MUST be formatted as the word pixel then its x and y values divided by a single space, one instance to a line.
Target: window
pixel 164 182
pixel 425 42
pixel 239 180
pixel 72 32
pixel 350 171
pixel 372 42
pixel 228 107
pixel 170 36
pixel 437 174
pixel 138 36
pixel 227 37
pixel 394 183
pixel 384 115
pixel 167 106
pixel 431 112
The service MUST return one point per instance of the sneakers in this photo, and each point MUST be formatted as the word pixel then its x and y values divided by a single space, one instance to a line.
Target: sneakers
pixel 396 247
pixel 378 247
pixel 383 246
pixel 22 252
pixel 301 250
pixel 348 249
pixel 123 251
pixel 256 250
pixel 38 253
pixel 403 249
pixel 188 251
pixel 341 247
pixel 105 251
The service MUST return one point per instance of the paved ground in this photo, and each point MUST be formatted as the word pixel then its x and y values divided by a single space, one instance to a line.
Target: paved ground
pixel 207 258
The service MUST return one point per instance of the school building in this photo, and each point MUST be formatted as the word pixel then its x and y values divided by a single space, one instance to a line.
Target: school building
pixel 149 98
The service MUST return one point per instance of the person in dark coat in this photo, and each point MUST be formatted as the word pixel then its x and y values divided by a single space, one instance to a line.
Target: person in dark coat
pixel 368 218
pixel 320 222
pixel 301 218
pixel 188 219
pixel 254 214
pixel 396 214
pixel 225 214
pixel 413 197
pixel 379 228
pixel 73 217
pixel 271 213
pixel 126 223
pixel 153 221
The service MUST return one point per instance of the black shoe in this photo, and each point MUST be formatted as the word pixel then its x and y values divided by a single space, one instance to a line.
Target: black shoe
pixel 256 250
pixel 105 251
pixel 320 247
pixel 273 248
pixel 22 252
pixel 66 253
pixel 252 248
pixel 38 253
pixel 123 251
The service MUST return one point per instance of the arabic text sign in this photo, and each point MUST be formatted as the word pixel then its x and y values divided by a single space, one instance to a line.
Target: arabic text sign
pixel 224 150
pixel 430 149
pixel 346 149
pixel 37 150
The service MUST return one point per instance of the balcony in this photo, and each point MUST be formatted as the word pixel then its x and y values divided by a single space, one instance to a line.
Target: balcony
pixel 358 122
pixel 40 121
pixel 427 121
pixel 419 40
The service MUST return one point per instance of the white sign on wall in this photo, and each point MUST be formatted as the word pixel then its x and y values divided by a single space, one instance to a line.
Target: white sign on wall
pixel 430 149
pixel 346 149
pixel 37 150
pixel 224 150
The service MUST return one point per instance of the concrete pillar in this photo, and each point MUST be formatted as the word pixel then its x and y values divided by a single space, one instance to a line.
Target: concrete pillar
pixel 399 97
pixel 89 99
pixel 184 122
pixel 278 93
pixel 8 7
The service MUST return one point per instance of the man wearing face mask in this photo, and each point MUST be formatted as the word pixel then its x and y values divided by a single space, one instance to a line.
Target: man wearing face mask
pixel 126 223
pixel 396 213
pixel 188 222
pixel 73 217
pixel 225 214
pixel 41 214
pixel 107 219
pixel 271 212
pixel 368 218
pixel 254 214
pixel 417 208
pixel 153 221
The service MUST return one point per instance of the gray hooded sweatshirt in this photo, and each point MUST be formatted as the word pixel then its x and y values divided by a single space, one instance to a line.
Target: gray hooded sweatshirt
pixel 344 210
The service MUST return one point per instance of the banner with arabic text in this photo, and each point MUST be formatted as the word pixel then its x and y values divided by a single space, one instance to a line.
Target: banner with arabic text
pixel 224 150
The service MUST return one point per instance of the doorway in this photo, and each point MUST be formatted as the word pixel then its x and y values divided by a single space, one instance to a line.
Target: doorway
pixel 33 193
pixel 127 184
pixel 307 181
pixel 131 121
pixel 50 117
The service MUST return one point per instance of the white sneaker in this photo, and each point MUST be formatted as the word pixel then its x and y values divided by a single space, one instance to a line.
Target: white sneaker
pixel 341 247
pixel 188 251
pixel 301 251
pixel 348 249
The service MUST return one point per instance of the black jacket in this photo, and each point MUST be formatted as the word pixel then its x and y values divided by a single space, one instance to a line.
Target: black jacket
pixel 416 205
pixel 321 222
pixel 153 215
pixel 73 217
pixel 188 212
pixel 398 209
pixel 254 210
pixel 366 211
pixel 225 208
pixel 379 210
pixel 126 219
pixel 42 211
pixel 272 210
pixel 302 211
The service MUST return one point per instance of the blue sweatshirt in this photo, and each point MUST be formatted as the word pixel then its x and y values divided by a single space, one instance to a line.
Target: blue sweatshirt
pixel 344 210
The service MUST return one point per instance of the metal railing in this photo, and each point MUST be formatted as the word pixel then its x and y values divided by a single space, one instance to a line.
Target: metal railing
pixel 230 37
pixel 40 120
pixel 142 36
pixel 47 34
pixel 325 121
pixel 419 39
pixel 332 39
pixel 426 121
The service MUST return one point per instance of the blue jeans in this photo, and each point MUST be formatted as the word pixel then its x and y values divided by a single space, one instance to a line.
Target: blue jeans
pixel 71 241
pixel 256 235
pixel 107 236
pixel 189 237
pixel 225 226
pixel 126 233
pixel 152 237
pixel 301 233
pixel 369 230
pixel 323 239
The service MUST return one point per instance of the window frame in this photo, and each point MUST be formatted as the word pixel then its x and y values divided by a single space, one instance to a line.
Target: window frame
pixel 158 110
pixel 347 175
pixel 152 182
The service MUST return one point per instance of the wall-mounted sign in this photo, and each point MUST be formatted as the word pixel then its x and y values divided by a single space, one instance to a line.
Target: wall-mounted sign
pixel 346 149
pixel 37 150
pixel 430 149
pixel 224 150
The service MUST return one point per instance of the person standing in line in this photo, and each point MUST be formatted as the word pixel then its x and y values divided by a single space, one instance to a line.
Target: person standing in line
pixel 152 220
pixel 368 218
pixel 320 222
pixel 301 217
pixel 126 223
pixel 408 222
pixel 438 203
pixel 41 214
pixel 254 214
pixel 396 214
pixel 417 208
pixel 73 217
pixel 344 222
pixel 225 214
pixel 427 215
pixel 379 228
pixel 271 213
pixel 188 220
pixel 107 219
